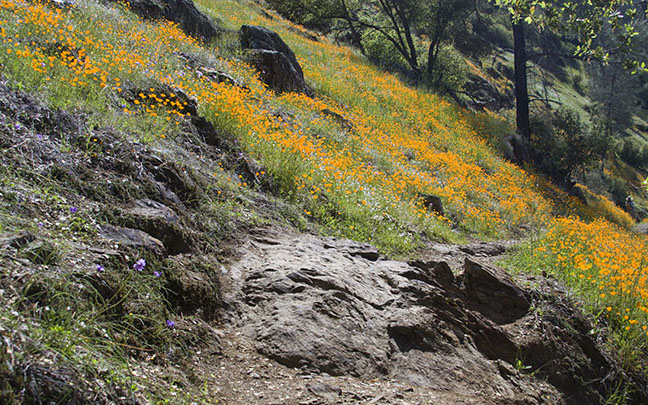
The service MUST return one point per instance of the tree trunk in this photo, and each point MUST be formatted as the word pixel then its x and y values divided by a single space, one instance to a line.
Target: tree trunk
pixel 521 86
pixel 357 39
pixel 413 57
pixel 433 52
pixel 412 49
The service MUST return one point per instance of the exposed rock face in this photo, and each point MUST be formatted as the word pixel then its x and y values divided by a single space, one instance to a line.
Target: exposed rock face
pixel 274 59
pixel 159 221
pixel 336 307
pixel 182 12
pixel 484 94
pixel 433 203
pixel 133 238
pixel 493 293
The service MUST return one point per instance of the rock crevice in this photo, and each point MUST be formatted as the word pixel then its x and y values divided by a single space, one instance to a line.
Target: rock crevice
pixel 327 306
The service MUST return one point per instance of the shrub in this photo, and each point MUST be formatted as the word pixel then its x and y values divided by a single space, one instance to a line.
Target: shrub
pixel 563 143
pixel 634 153
pixel 383 53
pixel 451 71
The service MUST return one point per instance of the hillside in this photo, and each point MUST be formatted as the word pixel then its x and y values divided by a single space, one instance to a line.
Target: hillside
pixel 182 222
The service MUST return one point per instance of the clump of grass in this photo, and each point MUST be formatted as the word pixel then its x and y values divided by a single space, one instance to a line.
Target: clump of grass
pixel 92 323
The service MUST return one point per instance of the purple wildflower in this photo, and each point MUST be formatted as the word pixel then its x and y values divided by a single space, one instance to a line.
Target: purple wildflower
pixel 39 136
pixel 100 268
pixel 40 224
pixel 170 323
pixel 157 273
pixel 73 210
pixel 139 265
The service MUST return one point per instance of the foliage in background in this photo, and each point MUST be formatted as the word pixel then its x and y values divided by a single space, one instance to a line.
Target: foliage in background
pixel 566 143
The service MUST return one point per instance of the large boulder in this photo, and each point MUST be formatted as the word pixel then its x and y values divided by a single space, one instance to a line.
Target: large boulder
pixel 273 59
pixel 493 293
pixel 337 307
pixel 182 12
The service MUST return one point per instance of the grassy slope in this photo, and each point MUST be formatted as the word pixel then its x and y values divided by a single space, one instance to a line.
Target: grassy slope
pixel 363 183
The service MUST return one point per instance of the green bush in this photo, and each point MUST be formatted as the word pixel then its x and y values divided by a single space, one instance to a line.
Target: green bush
pixel 451 72
pixel 634 153
pixel 383 53
pixel 563 143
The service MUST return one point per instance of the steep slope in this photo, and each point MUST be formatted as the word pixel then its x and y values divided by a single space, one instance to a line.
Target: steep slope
pixel 148 175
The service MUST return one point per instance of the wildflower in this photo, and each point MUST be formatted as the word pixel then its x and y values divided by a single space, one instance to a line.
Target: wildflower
pixel 157 274
pixel 139 265
pixel 40 224
pixel 100 268
pixel 170 323
pixel 73 210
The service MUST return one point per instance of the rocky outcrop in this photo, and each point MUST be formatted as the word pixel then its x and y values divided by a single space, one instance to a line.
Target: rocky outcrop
pixel 275 61
pixel 433 203
pixel 337 307
pixel 493 293
pixel 182 12
pixel 132 238
pixel 485 93
pixel 159 221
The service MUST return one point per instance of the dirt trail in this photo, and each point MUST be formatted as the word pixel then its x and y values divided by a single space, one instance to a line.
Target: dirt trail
pixel 316 320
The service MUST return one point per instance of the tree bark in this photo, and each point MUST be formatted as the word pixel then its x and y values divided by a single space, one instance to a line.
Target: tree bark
pixel 521 85
pixel 405 21
pixel 357 39
pixel 433 53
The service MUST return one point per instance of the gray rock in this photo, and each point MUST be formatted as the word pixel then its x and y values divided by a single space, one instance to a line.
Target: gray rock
pixel 641 228
pixel 343 122
pixel 493 293
pixel 485 94
pixel 325 391
pixel 182 12
pixel 433 203
pixel 219 77
pixel 159 221
pixel 320 304
pixel 333 307
pixel 274 59
pixel 132 238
